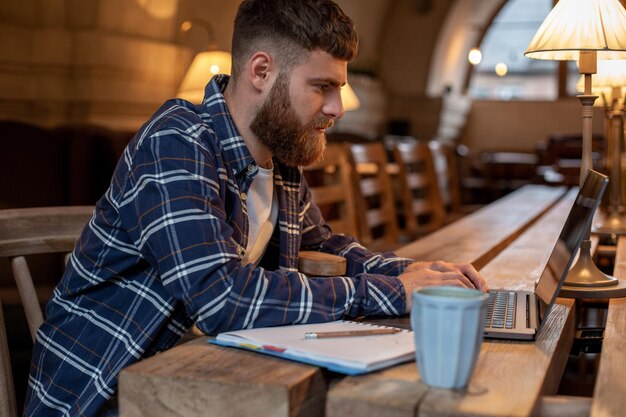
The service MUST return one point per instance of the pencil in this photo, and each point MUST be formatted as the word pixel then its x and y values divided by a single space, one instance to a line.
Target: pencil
pixel 350 333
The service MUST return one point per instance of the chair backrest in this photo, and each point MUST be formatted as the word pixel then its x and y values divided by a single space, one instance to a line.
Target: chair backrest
pixel 375 202
pixel 24 232
pixel 507 171
pixel 563 152
pixel 420 199
pixel 330 182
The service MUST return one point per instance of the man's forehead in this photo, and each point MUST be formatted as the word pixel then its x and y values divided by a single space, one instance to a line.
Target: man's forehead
pixel 321 66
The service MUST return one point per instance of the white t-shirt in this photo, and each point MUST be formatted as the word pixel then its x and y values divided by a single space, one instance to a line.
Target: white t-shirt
pixel 262 214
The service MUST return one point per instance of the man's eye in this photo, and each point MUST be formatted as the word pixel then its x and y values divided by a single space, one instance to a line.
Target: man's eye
pixel 323 87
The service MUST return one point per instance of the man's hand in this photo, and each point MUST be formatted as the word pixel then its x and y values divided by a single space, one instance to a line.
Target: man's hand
pixel 438 273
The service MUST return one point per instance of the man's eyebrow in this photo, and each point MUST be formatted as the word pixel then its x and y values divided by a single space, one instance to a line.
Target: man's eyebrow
pixel 329 81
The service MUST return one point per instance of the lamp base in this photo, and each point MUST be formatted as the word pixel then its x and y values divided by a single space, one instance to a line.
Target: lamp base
pixel 585 273
pixel 615 224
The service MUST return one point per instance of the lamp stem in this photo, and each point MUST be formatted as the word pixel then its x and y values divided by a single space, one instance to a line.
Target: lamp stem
pixel 617 136
pixel 615 223
pixel 587 114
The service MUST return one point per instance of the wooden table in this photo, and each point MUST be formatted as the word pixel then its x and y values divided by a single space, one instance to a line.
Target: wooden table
pixel 479 237
pixel 511 243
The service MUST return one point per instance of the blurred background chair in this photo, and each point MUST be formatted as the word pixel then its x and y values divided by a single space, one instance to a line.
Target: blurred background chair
pixel 26 234
pixel 375 202
pixel 330 182
pixel 418 188
pixel 505 172
pixel 560 157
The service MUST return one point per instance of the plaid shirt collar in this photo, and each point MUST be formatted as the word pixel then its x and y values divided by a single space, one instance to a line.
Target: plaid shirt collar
pixel 236 151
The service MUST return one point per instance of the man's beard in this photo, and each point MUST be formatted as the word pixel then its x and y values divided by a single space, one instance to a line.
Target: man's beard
pixel 278 128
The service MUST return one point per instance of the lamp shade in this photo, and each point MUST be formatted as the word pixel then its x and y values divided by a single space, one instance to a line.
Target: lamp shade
pixel 203 67
pixel 349 98
pixel 581 25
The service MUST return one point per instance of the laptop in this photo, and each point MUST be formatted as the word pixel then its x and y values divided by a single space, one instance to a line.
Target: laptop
pixel 520 315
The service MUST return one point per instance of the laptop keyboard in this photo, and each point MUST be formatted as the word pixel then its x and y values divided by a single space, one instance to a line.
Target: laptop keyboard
pixel 501 309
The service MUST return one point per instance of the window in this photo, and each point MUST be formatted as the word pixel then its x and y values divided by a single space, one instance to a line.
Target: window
pixel 503 47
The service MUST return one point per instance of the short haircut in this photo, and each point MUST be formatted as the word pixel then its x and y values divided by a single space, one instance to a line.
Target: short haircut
pixel 290 29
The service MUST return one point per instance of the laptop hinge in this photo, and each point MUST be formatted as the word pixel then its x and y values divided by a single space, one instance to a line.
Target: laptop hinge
pixel 533 314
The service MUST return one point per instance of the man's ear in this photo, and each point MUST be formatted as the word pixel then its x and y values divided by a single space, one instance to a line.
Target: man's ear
pixel 261 70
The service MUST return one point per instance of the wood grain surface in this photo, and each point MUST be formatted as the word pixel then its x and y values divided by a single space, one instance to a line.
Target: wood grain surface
pixel 200 379
pixel 480 236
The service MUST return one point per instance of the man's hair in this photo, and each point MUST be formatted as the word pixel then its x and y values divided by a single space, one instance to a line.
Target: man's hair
pixel 290 29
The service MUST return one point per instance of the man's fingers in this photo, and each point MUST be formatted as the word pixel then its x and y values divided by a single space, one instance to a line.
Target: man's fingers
pixel 449 277
pixel 477 279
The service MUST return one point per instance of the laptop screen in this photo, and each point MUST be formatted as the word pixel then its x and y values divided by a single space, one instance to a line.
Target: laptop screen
pixel 576 226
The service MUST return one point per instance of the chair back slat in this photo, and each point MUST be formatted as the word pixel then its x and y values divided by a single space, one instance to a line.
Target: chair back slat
pixel 28 294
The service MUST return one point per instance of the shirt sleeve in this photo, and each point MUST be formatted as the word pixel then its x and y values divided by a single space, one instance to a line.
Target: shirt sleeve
pixel 174 209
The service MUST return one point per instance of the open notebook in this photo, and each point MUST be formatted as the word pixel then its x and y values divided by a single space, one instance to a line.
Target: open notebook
pixel 348 355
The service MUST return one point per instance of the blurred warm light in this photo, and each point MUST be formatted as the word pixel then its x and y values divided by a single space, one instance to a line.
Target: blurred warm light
pixel 608 83
pixel 202 68
pixel 475 56
pixel 501 69
pixel 161 9
pixel 349 98
pixel 186 26
pixel 611 73
pixel 204 65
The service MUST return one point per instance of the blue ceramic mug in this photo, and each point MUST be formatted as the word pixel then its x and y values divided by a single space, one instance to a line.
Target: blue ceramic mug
pixel 448 324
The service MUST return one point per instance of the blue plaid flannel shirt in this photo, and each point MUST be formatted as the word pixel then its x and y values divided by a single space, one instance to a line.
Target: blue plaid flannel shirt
pixel 163 251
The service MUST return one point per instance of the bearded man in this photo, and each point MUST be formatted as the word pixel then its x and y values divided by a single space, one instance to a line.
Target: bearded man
pixel 206 213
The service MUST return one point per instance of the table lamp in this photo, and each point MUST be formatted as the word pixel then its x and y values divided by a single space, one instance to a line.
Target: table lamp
pixel 583 30
pixel 204 65
pixel 609 82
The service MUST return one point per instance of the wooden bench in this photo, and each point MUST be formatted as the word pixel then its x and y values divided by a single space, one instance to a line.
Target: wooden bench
pixel 197 379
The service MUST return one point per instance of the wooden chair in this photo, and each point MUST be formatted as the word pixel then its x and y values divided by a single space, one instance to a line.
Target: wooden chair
pixel 331 186
pixel 420 200
pixel 25 232
pixel 375 202
pixel 560 158
pixel 330 182
pixel 507 171
pixel 445 165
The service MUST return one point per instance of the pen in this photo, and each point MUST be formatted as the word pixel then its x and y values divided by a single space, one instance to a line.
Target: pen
pixel 350 333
